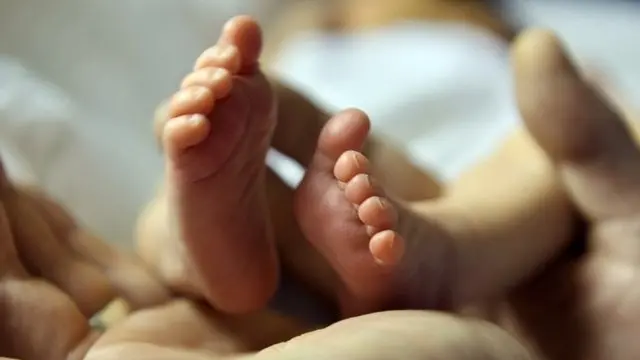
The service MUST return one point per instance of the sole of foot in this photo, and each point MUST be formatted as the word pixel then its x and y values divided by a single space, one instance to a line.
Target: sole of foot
pixel 346 216
pixel 215 144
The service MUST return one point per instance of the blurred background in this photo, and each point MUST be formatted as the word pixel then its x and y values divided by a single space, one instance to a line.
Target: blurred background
pixel 80 79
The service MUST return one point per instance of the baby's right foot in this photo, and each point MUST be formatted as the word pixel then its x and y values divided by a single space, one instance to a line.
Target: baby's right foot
pixel 350 221
pixel 215 144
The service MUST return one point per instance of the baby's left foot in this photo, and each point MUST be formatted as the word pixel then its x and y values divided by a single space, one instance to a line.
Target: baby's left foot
pixel 347 217
pixel 215 149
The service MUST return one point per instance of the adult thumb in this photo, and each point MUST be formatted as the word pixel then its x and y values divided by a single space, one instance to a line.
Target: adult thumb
pixel 402 335
pixel 575 125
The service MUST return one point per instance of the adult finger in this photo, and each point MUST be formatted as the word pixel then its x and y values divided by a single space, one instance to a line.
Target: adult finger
pixel 44 256
pixel 402 335
pixel 37 321
pixel 574 124
pixel 10 265
pixel 128 275
pixel 184 329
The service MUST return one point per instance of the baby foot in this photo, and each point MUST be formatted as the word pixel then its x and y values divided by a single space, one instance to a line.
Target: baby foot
pixel 347 217
pixel 215 146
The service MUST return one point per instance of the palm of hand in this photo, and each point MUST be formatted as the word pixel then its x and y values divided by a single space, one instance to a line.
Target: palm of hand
pixel 588 308
pixel 612 288
pixel 43 311
pixel 23 291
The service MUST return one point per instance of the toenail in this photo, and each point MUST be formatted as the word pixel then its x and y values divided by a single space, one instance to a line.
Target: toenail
pixel 228 26
pixel 388 246
pixel 212 74
pixel 222 51
pixel 372 183
pixel 356 159
pixel 192 92
pixel 361 162
pixel 218 74
pixel 195 119
pixel 205 77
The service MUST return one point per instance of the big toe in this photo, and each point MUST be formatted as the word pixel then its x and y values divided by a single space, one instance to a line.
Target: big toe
pixel 576 126
pixel 345 131
pixel 244 33
pixel 238 49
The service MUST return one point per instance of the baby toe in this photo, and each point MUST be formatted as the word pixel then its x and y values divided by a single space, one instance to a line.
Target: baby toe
pixel 191 100
pixel 350 164
pixel 378 213
pixel 217 79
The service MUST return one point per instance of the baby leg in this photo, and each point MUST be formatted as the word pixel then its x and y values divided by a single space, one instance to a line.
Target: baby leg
pixel 214 203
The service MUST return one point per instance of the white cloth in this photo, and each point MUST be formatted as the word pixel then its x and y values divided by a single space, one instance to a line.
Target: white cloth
pixel 601 34
pixel 442 91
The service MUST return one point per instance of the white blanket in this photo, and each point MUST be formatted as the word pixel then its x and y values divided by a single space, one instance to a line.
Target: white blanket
pixel 418 85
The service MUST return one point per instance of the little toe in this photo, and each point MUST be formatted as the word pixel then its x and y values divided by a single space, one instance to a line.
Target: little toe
pixel 387 247
pixel 360 188
pixel 217 79
pixel 185 131
pixel 191 100
pixel 378 213
pixel 350 164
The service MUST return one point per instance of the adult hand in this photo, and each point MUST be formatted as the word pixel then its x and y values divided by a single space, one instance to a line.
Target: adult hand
pixel 587 308
pixel 184 330
pixel 54 277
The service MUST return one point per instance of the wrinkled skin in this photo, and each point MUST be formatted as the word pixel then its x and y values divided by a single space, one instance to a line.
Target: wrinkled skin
pixel 587 307
pixel 44 310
